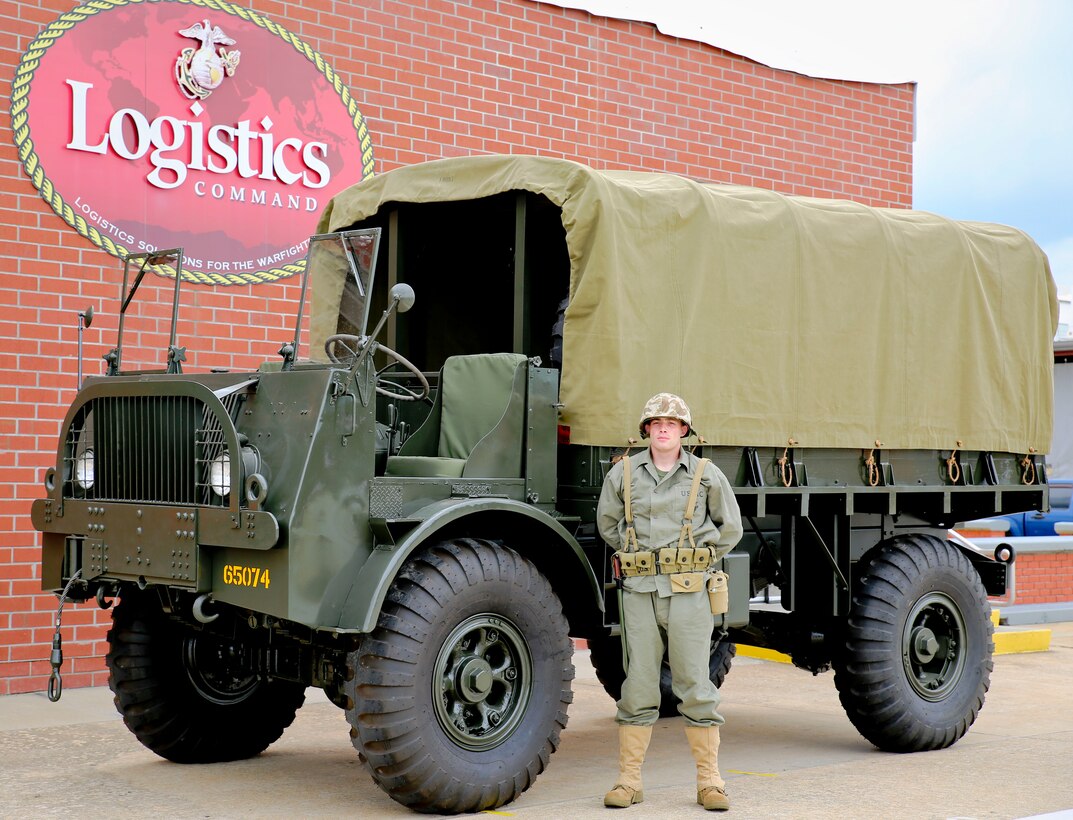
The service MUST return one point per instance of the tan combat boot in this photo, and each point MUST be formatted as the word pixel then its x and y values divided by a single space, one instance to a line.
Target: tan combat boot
pixel 632 745
pixel 711 790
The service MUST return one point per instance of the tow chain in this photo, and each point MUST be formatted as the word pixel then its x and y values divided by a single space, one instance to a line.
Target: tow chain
pixel 55 682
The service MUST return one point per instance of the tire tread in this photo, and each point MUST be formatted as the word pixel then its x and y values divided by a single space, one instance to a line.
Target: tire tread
pixel 388 731
pixel 163 709
pixel 868 667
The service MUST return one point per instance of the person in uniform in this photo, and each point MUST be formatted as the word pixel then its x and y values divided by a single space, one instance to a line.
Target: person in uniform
pixel 671 516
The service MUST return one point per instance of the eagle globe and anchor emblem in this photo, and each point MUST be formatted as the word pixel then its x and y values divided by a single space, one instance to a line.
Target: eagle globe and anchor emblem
pixel 199 71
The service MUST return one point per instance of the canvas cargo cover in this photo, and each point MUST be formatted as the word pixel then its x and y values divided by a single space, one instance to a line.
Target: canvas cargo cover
pixel 826 322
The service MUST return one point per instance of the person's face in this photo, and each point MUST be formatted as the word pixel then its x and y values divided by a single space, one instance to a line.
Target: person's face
pixel 666 434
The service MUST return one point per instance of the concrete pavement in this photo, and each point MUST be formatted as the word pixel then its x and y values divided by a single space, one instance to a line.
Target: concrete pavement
pixel 788 751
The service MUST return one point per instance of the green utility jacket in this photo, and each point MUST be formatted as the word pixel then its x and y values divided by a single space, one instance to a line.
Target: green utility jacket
pixel 658 507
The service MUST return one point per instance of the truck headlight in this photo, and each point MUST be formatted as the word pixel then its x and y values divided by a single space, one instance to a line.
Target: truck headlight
pixel 220 474
pixel 84 475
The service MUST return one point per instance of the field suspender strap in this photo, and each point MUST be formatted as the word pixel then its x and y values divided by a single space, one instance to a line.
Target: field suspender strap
pixel 687 522
pixel 630 546
pixel 627 482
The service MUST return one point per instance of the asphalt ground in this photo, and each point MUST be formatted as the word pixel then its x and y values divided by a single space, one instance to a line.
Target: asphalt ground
pixel 788 751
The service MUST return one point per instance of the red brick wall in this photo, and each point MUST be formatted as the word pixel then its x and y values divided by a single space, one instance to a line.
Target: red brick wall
pixel 433 79
pixel 1043 578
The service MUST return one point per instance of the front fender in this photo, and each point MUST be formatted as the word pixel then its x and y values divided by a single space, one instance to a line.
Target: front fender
pixel 366 596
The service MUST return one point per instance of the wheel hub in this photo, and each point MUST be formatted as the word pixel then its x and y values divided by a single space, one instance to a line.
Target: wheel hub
pixel 932 641
pixel 925 645
pixel 482 681
pixel 218 670
pixel 474 679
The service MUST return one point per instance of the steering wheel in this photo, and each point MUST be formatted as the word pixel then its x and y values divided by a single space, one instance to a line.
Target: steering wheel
pixel 353 344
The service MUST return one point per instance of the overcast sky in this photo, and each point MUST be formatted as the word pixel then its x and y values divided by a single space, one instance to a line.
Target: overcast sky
pixel 994 138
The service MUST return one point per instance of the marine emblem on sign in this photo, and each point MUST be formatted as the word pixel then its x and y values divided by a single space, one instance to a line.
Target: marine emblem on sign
pixel 200 71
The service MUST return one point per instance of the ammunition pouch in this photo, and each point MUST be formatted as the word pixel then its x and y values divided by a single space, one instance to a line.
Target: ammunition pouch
pixel 638 563
pixel 684 559
pixel 667 561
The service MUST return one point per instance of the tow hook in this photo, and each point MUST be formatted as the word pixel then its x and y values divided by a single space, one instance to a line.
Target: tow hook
pixel 199 609
pixel 103 604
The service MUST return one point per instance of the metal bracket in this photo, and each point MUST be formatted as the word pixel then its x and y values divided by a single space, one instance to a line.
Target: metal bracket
pixel 754 472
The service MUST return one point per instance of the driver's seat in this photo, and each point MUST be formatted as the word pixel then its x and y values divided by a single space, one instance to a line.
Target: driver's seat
pixel 476 426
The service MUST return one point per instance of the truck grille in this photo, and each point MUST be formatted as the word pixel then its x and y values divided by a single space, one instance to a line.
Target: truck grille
pixel 146 448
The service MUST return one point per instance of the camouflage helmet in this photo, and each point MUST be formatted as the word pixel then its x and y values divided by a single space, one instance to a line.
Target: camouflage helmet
pixel 665 406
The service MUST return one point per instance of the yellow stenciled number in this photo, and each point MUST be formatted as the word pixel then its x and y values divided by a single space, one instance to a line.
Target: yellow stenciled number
pixel 237 575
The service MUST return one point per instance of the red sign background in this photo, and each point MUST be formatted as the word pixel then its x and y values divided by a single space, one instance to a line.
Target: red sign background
pixel 116 68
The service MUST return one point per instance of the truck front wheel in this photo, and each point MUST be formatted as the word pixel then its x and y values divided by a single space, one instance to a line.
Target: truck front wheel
pixel 917 658
pixel 459 694
pixel 188 695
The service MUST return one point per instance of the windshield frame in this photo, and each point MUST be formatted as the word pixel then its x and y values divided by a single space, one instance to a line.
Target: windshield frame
pixel 156 262
pixel 354 271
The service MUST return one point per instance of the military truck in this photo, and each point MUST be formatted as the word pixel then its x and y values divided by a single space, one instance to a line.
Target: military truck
pixel 398 507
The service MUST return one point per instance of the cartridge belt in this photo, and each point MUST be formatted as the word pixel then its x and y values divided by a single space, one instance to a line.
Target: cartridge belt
pixel 666 561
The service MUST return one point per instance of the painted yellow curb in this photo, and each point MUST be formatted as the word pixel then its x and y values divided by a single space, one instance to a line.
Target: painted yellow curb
pixel 1006 643
pixel 1012 642
pixel 1026 640
pixel 761 653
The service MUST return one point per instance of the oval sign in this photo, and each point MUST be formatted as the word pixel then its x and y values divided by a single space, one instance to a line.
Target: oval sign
pixel 198 125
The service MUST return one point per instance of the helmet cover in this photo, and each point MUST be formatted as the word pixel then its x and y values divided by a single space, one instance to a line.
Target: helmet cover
pixel 665 406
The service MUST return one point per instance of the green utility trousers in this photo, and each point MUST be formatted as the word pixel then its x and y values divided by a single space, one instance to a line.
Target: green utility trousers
pixel 682 623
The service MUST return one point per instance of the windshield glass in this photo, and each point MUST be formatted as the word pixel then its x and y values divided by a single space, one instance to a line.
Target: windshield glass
pixel 341 267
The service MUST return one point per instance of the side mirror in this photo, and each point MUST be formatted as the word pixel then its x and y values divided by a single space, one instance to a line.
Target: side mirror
pixel 85 319
pixel 404 295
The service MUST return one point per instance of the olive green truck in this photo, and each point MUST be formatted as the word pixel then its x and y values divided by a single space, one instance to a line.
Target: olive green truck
pixel 398 507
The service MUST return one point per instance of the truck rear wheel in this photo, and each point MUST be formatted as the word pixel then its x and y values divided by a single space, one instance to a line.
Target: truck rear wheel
pixel 186 694
pixel 917 658
pixel 460 693
pixel 605 652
